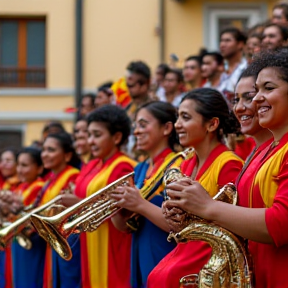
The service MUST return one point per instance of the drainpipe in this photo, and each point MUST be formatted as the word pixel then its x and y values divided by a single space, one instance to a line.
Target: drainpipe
pixel 78 52
pixel 162 31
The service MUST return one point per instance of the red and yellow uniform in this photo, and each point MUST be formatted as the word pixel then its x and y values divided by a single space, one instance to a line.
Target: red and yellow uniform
pixel 29 191
pixel 32 274
pixel 222 166
pixel 10 184
pixel 269 189
pixel 105 253
pixel 245 147
pixel 55 185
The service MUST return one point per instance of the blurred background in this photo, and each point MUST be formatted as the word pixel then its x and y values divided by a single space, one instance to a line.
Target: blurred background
pixel 53 51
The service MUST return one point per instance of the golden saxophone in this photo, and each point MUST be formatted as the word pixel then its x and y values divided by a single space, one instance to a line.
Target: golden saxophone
pixel 20 227
pixel 228 266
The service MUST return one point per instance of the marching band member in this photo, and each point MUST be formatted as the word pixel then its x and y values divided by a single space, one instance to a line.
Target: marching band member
pixel 29 168
pixel 155 134
pixel 105 253
pixel 204 118
pixel 58 155
pixel 8 170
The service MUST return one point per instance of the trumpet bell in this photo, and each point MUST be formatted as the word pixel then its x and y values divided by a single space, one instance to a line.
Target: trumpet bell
pixel 51 235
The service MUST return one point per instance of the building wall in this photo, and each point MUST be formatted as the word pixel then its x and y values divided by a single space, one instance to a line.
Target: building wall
pixel 114 33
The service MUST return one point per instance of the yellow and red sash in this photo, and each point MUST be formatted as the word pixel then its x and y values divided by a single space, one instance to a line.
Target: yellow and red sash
pixel 55 187
pixel 209 179
pixel 29 193
pixel 97 241
pixel 267 177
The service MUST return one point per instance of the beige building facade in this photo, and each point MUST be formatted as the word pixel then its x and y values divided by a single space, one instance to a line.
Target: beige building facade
pixel 113 34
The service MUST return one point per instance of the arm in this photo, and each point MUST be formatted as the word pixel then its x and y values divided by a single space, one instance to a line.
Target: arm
pixel 130 198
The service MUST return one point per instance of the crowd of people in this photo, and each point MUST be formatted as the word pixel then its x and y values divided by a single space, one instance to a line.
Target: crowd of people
pixel 229 106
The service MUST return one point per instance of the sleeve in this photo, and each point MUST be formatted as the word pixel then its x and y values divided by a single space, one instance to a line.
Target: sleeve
pixel 276 217
pixel 229 172
pixel 120 170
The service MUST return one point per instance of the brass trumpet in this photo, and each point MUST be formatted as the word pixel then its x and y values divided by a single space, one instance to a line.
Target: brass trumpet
pixel 85 216
pixel 15 229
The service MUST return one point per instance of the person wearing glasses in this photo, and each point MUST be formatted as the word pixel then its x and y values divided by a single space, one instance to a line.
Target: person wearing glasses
pixel 156 135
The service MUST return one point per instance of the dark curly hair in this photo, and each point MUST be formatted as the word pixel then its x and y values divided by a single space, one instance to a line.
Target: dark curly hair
pixel 115 120
pixel 277 59
pixel 210 104
pixel 164 112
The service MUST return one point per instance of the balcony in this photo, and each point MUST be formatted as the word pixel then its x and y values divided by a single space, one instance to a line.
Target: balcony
pixel 22 77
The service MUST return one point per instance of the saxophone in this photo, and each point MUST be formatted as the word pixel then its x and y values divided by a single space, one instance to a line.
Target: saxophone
pixel 228 266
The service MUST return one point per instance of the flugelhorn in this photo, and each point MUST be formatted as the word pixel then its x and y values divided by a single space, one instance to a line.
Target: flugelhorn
pixel 15 229
pixel 85 216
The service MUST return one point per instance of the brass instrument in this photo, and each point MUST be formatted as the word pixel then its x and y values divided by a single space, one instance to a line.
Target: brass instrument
pixel 228 266
pixel 85 216
pixel 16 228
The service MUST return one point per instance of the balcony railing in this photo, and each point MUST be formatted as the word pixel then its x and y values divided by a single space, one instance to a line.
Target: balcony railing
pixel 22 77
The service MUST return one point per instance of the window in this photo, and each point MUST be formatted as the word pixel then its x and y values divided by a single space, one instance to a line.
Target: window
pixel 22 52
pixel 240 15
pixel 10 138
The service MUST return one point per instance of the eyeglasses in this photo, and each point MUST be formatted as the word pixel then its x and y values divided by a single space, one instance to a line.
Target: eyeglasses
pixel 141 124
pixel 246 96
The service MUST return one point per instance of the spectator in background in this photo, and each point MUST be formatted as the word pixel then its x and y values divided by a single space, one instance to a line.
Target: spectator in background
pixel 81 144
pixel 212 68
pixel 104 95
pixel 253 45
pixel 280 14
pixel 52 127
pixel 158 81
pixel 173 87
pixel 87 104
pixel 274 36
pixel 192 72
pixel 232 43
pixel 138 83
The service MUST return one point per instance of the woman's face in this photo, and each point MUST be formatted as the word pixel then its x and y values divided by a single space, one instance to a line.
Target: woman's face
pixel 245 108
pixel 8 164
pixel 103 145
pixel 53 156
pixel 149 133
pixel 27 169
pixel 272 101
pixel 190 125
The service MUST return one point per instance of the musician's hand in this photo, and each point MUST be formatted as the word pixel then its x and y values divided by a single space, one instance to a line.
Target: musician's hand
pixel 175 217
pixel 68 200
pixel 192 198
pixel 127 197
pixel 10 203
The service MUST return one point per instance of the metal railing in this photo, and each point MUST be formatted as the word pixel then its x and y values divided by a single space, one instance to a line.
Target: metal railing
pixel 22 77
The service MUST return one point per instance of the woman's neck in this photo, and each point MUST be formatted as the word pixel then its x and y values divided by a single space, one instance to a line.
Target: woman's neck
pixel 204 149
pixel 60 168
pixel 262 136
pixel 156 151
